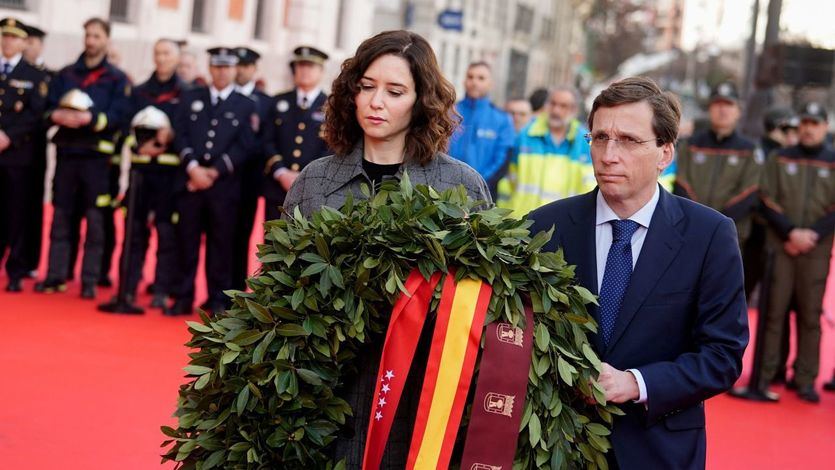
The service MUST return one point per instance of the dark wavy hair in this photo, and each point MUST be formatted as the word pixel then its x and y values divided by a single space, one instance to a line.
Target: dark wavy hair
pixel 433 117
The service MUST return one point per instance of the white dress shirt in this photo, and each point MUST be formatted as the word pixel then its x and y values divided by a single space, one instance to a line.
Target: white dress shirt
pixel 13 62
pixel 247 89
pixel 603 241
pixel 310 95
pixel 221 94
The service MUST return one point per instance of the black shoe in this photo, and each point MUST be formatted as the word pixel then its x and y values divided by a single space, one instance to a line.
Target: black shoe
pixel 179 307
pixel 830 386
pixel 206 307
pixel 780 378
pixel 151 289
pixel 33 274
pixel 88 291
pixel 755 394
pixel 809 394
pixel 791 385
pixel 50 286
pixel 15 285
pixel 105 281
pixel 158 301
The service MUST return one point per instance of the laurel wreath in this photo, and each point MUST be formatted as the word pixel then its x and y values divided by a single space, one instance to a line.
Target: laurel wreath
pixel 265 380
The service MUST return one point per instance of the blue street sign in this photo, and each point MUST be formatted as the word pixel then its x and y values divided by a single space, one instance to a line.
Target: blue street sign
pixel 451 19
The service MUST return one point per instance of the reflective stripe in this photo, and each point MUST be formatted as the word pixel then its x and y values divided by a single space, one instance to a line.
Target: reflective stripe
pixel 105 146
pixel 116 159
pixel 103 200
pixel 168 159
pixel 101 122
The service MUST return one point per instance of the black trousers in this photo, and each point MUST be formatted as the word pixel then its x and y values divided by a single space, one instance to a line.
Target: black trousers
pixel 83 177
pixel 155 206
pixel 13 217
pixel 214 212
pixel 34 201
pixel 250 190
pixel 271 208
pixel 109 223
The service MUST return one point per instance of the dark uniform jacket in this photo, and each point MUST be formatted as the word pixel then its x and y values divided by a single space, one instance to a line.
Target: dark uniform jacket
pixel 166 97
pixel 22 103
pixel 110 90
pixel 721 174
pixel 218 136
pixel 798 190
pixel 292 138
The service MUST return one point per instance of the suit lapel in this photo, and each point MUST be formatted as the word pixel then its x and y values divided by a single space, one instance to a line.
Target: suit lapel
pixel 582 238
pixel 661 245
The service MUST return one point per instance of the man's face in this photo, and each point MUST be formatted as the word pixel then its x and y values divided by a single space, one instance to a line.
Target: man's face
pixel 307 75
pixel 478 82
pixel 34 49
pixel 520 111
pixel 12 45
pixel 187 68
pixel 626 170
pixel 95 40
pixel 245 73
pixel 166 58
pixel 790 136
pixel 561 108
pixel 222 75
pixel 723 114
pixel 812 132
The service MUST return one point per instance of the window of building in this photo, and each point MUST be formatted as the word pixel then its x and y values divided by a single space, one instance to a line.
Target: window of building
pixel 198 16
pixel 17 4
pixel 260 14
pixel 120 10
pixel 524 19
pixel 340 24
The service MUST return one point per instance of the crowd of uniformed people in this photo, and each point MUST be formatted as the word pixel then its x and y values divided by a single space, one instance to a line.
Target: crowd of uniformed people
pixel 203 153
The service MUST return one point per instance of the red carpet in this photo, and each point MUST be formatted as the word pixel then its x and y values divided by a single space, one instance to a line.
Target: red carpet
pixel 85 390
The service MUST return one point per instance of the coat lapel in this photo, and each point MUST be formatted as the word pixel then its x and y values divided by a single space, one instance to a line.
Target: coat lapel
pixel 582 238
pixel 661 245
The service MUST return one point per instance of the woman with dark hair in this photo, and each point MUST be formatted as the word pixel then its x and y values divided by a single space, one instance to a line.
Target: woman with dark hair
pixel 391 111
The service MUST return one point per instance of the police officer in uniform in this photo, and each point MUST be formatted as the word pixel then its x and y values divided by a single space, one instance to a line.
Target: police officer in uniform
pixel 90 102
pixel 292 136
pixel 720 168
pixel 798 194
pixel 35 181
pixel 215 137
pixel 252 171
pixel 23 92
pixel 156 161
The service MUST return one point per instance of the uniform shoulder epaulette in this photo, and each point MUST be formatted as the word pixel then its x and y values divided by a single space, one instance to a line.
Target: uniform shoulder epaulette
pixel 286 92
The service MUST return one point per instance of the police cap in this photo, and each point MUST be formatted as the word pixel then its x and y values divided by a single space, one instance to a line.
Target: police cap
pixel 34 31
pixel 724 91
pixel 222 57
pixel 246 56
pixel 814 111
pixel 778 117
pixel 13 27
pixel 308 54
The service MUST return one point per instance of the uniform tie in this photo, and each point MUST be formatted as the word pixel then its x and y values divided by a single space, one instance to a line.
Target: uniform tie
pixel 7 68
pixel 616 275
pixel 304 102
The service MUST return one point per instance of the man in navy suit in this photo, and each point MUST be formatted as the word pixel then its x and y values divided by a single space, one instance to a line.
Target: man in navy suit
pixel 672 314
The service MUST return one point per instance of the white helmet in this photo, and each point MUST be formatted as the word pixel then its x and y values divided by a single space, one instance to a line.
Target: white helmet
pixel 151 118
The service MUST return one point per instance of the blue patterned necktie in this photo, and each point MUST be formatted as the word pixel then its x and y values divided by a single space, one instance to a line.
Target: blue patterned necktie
pixel 616 276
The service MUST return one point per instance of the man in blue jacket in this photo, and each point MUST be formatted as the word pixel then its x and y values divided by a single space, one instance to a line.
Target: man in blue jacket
pixel 672 315
pixel 484 138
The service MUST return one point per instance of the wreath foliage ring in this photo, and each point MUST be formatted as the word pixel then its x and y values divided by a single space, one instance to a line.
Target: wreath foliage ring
pixel 265 381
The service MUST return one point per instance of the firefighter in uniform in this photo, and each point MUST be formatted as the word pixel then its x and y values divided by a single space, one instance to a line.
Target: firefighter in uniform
pixel 90 102
pixel 798 193
pixel 252 171
pixel 23 92
pixel 720 168
pixel 35 181
pixel 292 135
pixel 157 164
pixel 215 137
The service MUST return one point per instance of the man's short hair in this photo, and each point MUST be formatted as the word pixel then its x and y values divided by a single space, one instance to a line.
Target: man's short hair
pixel 666 110
pixel 99 22
pixel 571 90
pixel 480 63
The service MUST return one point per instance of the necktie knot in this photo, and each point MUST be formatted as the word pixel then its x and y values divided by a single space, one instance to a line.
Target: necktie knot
pixel 622 230
pixel 7 68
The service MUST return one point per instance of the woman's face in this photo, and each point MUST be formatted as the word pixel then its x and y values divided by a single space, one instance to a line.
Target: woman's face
pixel 386 98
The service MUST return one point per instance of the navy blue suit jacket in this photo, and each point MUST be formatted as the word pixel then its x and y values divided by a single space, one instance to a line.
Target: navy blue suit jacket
pixel 683 322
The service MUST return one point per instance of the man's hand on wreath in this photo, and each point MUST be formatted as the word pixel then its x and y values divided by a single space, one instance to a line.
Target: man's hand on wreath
pixel 620 386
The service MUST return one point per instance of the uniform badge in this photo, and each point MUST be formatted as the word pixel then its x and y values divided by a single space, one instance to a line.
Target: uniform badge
pixel 43 89
pixel 485 134
pixel 282 106
pixel 197 106
pixel 823 172
pixel 699 158
pixel 791 168
pixel 733 160
pixel 318 116
pixel 18 106
pixel 759 156
pixel 255 121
